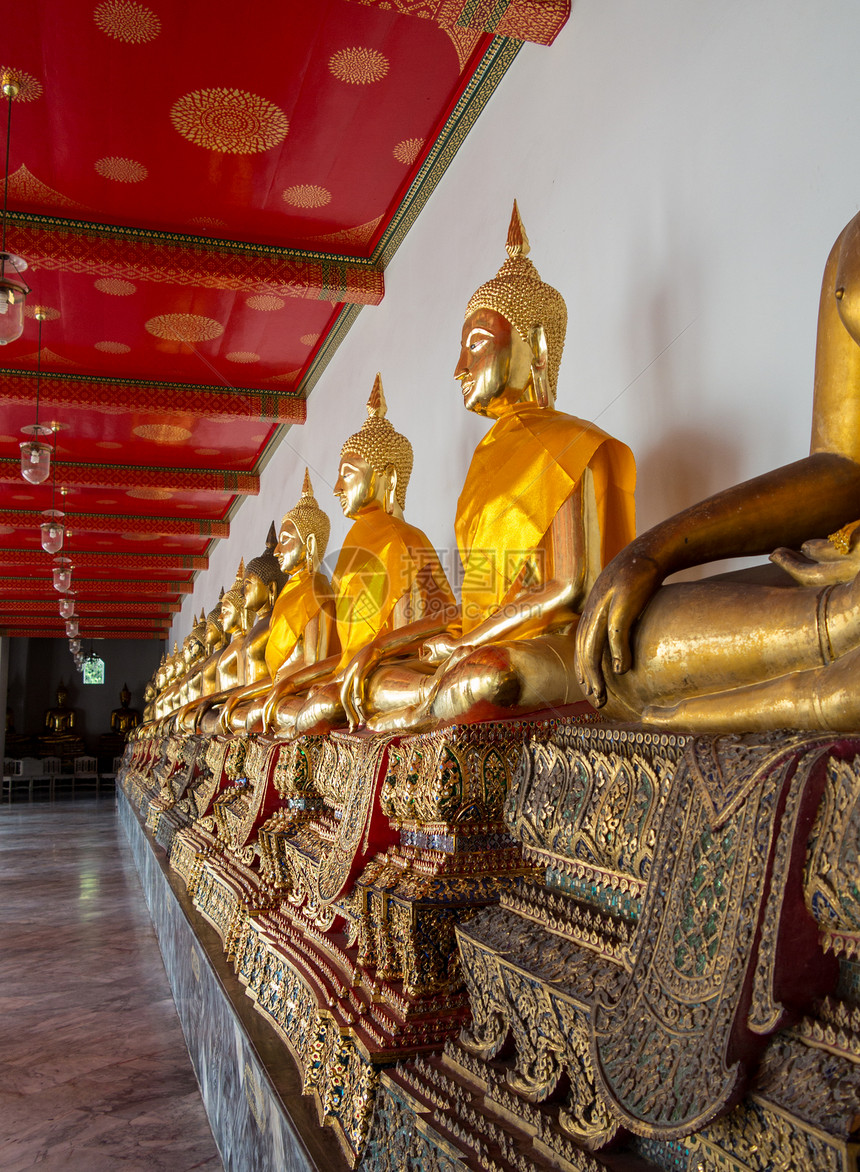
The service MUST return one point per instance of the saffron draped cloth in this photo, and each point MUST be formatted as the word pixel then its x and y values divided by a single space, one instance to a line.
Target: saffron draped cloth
pixel 298 603
pixel 523 470
pixel 381 560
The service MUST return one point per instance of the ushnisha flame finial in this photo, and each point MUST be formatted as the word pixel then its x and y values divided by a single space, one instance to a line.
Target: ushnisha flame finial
pixel 377 408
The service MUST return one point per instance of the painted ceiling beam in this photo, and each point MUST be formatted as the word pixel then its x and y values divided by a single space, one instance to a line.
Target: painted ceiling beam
pixel 71 475
pixel 108 560
pixel 14 632
pixel 172 258
pixel 19 586
pixel 144 396
pixel 123 523
pixel 48 605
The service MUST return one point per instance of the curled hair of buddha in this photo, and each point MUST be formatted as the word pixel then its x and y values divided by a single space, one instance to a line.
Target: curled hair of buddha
pixel 307 518
pixel 236 593
pixel 267 567
pixel 380 444
pixel 198 631
pixel 523 299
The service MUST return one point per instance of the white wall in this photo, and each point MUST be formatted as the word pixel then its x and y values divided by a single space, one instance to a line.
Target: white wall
pixel 682 170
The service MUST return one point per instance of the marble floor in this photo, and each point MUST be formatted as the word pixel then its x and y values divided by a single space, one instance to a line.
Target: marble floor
pixel 94 1073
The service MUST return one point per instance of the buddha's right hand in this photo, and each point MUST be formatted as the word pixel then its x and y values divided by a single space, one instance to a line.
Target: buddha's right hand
pixel 615 602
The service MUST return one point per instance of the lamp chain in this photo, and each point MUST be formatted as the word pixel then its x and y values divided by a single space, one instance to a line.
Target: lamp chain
pixel 6 181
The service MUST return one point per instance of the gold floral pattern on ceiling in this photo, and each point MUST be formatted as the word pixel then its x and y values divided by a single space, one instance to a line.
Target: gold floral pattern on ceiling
pixel 47 311
pixel 162 433
pixel 115 287
pixel 358 66
pixel 126 20
pixel 309 339
pixel 265 302
pixel 25 188
pixel 408 150
pixel 120 170
pixel 351 237
pixel 184 327
pixel 289 377
pixel 229 121
pixel 207 223
pixel 243 356
pixel 29 87
pixel 306 195
pixel 113 347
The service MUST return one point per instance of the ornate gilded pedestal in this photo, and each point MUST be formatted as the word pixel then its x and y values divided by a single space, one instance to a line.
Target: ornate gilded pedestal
pixel 670 992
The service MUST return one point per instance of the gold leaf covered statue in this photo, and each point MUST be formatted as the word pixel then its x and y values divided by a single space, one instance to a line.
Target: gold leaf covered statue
pixel 387 573
pixel 262 582
pixel 124 718
pixel 740 651
pixel 302 626
pixel 548 499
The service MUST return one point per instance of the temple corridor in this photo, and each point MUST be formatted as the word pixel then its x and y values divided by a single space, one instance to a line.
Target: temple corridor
pixel 95 1074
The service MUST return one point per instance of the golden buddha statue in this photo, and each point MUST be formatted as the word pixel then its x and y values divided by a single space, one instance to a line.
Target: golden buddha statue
pixel 548 499
pixel 302 628
pixel 59 737
pixel 124 718
pixel 229 666
pixel 149 695
pixel 61 719
pixel 765 649
pixel 168 672
pixel 204 679
pixel 387 573
pixel 261 585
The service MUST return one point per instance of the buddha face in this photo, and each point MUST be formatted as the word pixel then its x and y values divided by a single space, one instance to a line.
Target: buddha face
pixel 214 634
pixel 230 617
pixel 61 697
pixel 256 592
pixel 124 697
pixel 356 483
pixel 493 359
pixel 290 548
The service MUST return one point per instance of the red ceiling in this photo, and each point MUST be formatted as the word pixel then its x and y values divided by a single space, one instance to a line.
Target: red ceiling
pixel 203 192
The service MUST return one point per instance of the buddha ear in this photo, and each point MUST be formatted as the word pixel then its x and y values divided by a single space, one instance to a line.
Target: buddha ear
pixel 540 366
pixel 390 488
pixel 310 550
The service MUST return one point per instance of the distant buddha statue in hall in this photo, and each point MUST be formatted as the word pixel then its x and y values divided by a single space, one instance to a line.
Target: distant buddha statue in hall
pixel 124 718
pixel 751 650
pixel 387 574
pixel 302 628
pixel 60 720
pixel 60 736
pixel 548 499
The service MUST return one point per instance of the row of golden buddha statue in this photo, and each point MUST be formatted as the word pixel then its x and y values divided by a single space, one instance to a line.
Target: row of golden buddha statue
pixel 547 503
pixel 338 868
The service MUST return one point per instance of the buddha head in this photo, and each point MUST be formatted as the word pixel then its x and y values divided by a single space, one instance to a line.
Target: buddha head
pixel 214 635
pixel 62 696
pixel 194 644
pixel 375 463
pixel 233 603
pixel 264 580
pixel 513 335
pixel 304 533
pixel 125 697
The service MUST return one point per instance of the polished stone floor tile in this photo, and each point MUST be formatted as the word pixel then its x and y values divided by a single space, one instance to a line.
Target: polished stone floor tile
pixel 94 1073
